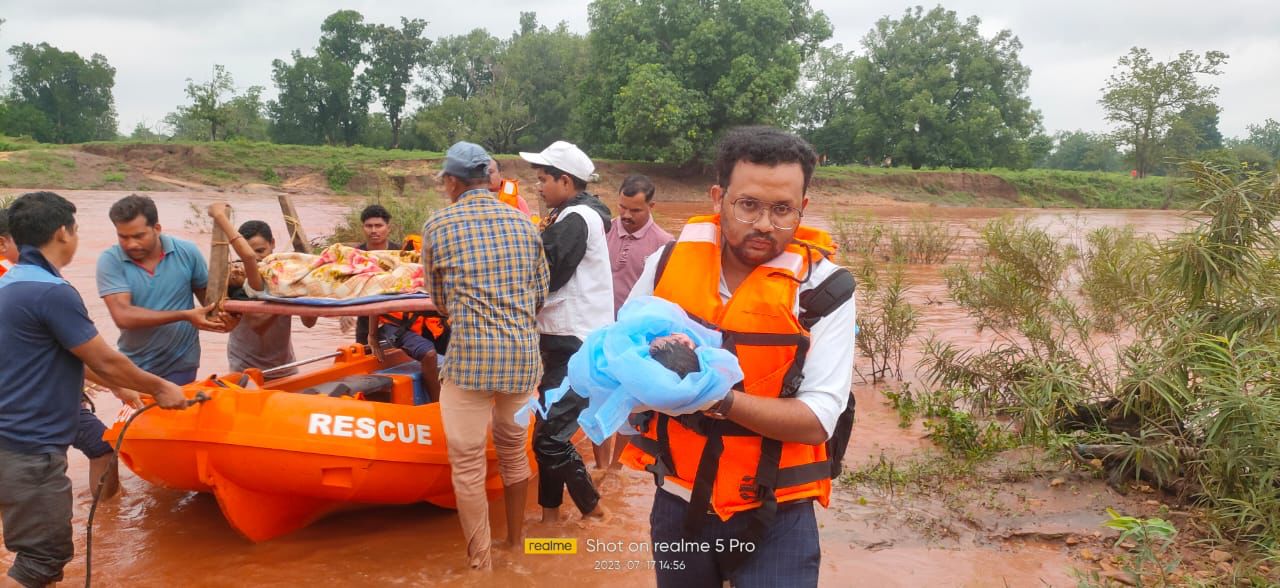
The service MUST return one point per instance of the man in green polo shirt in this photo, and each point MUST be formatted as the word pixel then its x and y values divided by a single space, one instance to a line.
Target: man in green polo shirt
pixel 150 282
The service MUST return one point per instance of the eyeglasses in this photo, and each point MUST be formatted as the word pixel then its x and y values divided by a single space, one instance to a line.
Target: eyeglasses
pixel 782 216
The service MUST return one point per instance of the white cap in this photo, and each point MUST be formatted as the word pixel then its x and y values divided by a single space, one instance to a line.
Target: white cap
pixel 564 156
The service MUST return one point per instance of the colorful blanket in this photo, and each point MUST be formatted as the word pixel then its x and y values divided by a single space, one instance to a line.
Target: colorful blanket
pixel 342 272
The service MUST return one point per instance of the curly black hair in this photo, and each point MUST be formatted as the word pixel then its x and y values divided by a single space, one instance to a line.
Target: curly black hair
pixel 676 357
pixel 764 146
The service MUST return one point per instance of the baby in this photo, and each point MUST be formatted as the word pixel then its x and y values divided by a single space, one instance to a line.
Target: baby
pixel 676 353
pixel 612 372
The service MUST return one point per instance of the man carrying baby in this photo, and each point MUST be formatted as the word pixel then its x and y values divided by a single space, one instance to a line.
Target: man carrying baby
pixel 743 475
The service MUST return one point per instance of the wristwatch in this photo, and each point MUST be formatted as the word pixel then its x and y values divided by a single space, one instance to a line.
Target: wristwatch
pixel 721 409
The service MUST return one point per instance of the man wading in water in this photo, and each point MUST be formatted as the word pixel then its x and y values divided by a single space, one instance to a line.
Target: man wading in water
pixel 579 300
pixel 48 340
pixel 741 478
pixel 148 281
pixel 485 270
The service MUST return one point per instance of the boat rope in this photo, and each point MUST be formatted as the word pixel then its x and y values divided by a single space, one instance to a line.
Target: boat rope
pixel 114 467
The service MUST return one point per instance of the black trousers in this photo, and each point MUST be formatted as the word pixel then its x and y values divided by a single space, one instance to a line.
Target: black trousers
pixel 559 464
pixel 789 554
pixel 35 505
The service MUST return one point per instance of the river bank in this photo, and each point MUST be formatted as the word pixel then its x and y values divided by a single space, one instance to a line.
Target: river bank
pixel 264 167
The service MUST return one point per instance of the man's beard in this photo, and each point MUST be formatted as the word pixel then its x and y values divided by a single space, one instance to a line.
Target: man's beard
pixel 746 256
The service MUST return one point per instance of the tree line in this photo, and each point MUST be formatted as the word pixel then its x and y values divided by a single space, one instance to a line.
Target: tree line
pixel 658 80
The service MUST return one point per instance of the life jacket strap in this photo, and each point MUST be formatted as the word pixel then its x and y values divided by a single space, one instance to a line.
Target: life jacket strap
pixel 660 449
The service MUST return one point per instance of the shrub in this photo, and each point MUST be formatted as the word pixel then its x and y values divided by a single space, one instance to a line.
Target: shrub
pixel 885 320
pixel 338 176
pixel 270 176
pixel 855 237
pixel 916 242
pixel 1191 401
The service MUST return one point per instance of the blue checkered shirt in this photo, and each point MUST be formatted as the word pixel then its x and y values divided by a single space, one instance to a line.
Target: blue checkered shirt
pixel 488 273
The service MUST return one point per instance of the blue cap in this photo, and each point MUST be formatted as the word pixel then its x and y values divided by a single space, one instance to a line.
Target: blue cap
pixel 466 160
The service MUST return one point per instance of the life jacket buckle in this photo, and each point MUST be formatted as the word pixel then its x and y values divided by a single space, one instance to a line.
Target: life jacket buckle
pixel 748 490
pixel 659 472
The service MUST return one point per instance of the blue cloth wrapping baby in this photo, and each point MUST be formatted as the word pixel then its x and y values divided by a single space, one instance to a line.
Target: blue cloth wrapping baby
pixel 614 372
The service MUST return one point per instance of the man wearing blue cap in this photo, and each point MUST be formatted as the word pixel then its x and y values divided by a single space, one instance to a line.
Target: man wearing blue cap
pixel 486 271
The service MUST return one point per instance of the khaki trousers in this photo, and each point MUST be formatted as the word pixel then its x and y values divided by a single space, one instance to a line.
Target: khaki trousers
pixel 467 417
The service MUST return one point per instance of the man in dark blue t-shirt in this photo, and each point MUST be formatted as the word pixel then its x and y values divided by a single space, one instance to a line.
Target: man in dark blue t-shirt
pixel 42 315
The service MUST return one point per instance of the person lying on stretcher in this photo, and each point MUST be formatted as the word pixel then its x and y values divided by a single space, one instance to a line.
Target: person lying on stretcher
pixel 421 338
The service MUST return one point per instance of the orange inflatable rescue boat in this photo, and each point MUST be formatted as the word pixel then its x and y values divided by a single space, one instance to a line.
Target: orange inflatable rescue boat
pixel 279 454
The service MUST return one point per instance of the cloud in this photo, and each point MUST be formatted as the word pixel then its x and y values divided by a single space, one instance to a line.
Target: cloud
pixel 1071 47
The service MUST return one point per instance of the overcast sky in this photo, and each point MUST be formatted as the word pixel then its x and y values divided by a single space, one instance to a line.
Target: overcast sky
pixel 155 45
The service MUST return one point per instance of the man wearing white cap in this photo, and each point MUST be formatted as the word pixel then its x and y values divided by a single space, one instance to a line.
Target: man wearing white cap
pixel 580 300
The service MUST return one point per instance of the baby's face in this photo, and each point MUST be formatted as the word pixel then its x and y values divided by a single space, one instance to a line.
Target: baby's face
pixel 680 338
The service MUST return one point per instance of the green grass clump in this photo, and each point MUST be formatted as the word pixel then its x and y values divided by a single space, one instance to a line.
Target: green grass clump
pixel 251 157
pixel 35 168
pixel 338 175
pixel 1035 187
pixel 18 143
pixel 1096 189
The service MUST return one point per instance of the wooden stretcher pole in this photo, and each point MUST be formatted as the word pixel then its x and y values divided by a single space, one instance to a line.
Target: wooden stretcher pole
pixel 219 265
pixel 296 233
pixel 375 342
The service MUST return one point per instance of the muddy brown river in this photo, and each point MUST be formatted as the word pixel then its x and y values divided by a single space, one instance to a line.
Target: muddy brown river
pixel 157 537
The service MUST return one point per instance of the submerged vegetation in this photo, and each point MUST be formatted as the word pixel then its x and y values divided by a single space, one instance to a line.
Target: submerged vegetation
pixel 919 241
pixel 886 319
pixel 1155 357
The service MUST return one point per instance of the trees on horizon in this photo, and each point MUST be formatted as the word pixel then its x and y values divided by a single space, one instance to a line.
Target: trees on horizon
pixel 652 80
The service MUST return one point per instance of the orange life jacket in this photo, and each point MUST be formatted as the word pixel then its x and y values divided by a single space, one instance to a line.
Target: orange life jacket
pixel 422 324
pixel 4 268
pixel 509 193
pixel 726 466
pixel 412 242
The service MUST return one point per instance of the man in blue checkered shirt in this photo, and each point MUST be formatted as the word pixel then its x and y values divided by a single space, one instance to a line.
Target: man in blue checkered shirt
pixel 487 272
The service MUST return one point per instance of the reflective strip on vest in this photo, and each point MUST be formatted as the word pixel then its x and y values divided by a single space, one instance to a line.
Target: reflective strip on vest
pixel 508 192
pixel 700 233
pixel 789 261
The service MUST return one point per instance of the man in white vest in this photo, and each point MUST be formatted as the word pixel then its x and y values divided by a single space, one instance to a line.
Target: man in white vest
pixel 580 300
